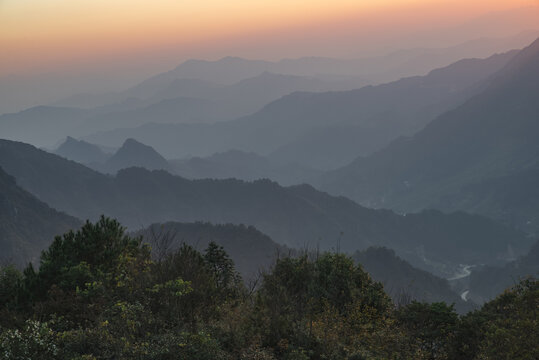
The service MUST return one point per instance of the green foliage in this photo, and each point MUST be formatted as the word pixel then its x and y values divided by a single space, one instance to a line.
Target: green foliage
pixel 75 259
pixel 10 287
pixel 512 331
pixel 221 266
pixel 36 341
pixel 98 295
pixel 430 326
pixel 327 305
pixel 174 288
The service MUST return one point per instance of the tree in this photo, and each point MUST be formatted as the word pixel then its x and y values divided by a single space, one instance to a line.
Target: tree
pixel 512 328
pixel 321 306
pixel 222 267
pixel 430 326
pixel 77 259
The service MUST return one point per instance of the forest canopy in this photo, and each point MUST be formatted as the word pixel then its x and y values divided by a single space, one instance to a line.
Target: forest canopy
pixel 99 294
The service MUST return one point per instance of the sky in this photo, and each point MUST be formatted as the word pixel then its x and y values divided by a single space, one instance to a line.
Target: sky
pixel 52 48
pixel 43 35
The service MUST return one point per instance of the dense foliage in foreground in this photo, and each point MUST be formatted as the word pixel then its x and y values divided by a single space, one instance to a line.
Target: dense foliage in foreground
pixel 98 294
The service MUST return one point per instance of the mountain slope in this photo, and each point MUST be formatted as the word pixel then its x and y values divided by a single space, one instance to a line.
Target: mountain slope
pixel 173 101
pixel 27 225
pixel 241 165
pixel 63 184
pixel 308 128
pixel 133 153
pixel 494 134
pixel 511 198
pixel 297 216
pixel 376 69
pixel 41 125
pixel 403 282
pixel 487 282
pixel 81 151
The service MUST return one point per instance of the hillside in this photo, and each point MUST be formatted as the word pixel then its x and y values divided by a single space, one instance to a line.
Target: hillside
pixel 242 165
pixel 27 225
pixel 81 151
pixel 324 130
pixel 251 250
pixel 404 283
pixel 42 125
pixel 63 184
pixel 487 282
pixel 297 216
pixel 133 153
pixel 174 100
pixel 511 198
pixel 492 135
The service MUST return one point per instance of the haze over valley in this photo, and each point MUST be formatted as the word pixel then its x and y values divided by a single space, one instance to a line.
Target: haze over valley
pixel 318 181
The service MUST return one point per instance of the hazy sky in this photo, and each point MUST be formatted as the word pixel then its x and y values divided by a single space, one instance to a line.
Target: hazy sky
pixel 47 35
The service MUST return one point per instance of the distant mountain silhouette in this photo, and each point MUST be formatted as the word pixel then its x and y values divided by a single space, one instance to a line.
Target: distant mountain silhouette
pixel 512 198
pixel 326 130
pixel 173 101
pixel 241 165
pixel 297 216
pixel 173 110
pixel 133 153
pixel 465 153
pixel 50 88
pixel 187 100
pixel 42 125
pixel 245 96
pixel 81 151
pixel 27 225
pixel 231 164
pixel 376 69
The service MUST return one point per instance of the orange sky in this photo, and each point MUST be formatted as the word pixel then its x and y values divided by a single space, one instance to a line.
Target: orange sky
pixel 38 35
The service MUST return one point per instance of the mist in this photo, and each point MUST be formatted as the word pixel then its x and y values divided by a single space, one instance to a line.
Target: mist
pixel 269 180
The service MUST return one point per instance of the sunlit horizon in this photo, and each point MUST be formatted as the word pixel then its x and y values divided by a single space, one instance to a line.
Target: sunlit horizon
pixel 40 37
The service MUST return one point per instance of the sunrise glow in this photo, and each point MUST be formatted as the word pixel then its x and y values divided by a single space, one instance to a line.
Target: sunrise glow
pixel 62 31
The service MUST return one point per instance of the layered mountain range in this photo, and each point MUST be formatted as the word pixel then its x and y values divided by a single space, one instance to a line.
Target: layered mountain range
pixel 480 157
pixel 323 130
pixel 298 216
pixel 430 173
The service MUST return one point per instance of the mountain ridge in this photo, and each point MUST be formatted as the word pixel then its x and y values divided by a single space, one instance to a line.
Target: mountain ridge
pixel 27 225
pixel 491 135
pixel 296 216
pixel 364 113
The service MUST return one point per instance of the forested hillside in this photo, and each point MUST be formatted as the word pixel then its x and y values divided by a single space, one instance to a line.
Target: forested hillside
pixel 97 294
pixel 297 216
pixel 27 225
pixel 269 180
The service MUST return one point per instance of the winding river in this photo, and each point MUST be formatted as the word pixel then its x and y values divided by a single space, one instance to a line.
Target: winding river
pixel 464 295
pixel 463 272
